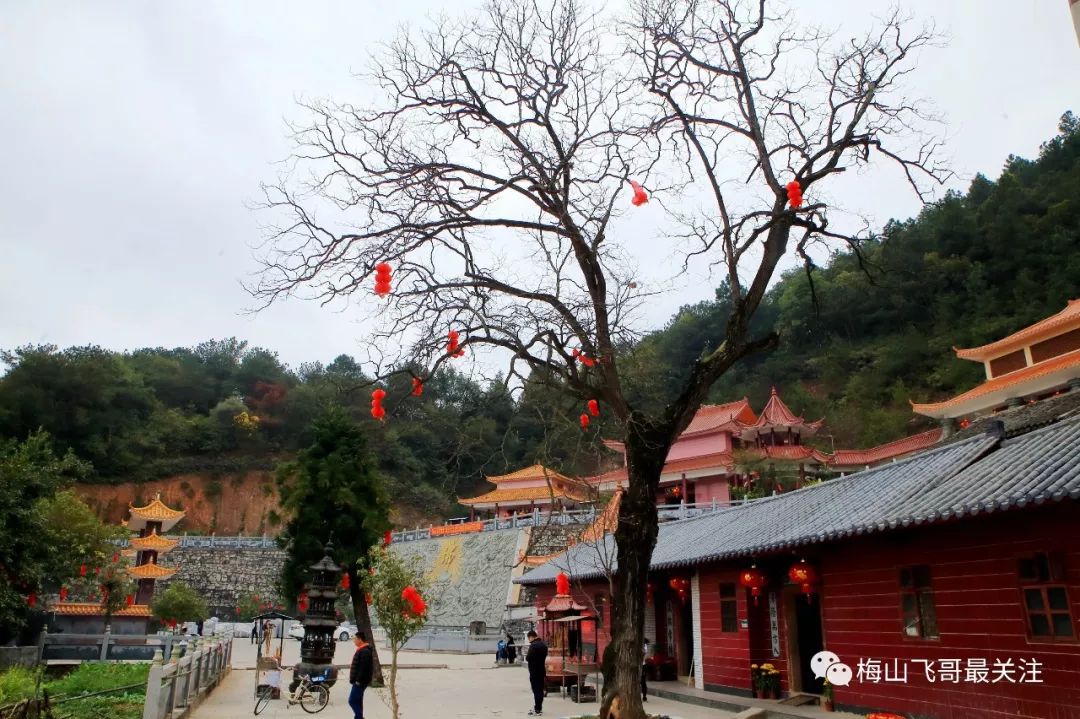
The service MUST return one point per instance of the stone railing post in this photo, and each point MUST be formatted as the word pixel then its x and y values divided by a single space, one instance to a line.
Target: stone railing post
pixel 168 646
pixel 105 644
pixel 152 706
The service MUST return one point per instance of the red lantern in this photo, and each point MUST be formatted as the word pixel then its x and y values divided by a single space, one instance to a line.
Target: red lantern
pixel 82 570
pixel 594 408
pixel 115 558
pixel 584 419
pixel 377 410
pixel 130 599
pixel 753 579
pixel 344 581
pixel 382 279
pixel 640 196
pixel 417 386
pixel 31 600
pixel 794 194
pixel 805 576
pixel 453 347
pixel 387 538
pixel 562 584
pixel 302 603
pixel 681 587
pixel 63 594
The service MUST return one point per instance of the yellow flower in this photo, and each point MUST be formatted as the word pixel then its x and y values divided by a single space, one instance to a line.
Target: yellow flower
pixel 753 666
pixel 767 667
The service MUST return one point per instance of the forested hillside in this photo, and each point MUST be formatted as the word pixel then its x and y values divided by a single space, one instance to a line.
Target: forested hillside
pixel 876 331
pixel 968 270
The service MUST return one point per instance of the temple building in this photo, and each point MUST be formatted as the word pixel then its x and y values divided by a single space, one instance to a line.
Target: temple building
pixel 1038 362
pixel 149 523
pixel 520 492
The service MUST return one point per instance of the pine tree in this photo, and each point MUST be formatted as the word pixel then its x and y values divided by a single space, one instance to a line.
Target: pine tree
pixel 333 487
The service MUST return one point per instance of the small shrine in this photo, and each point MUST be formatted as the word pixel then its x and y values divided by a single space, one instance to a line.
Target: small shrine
pixel 149 543
pixel 565 624
pixel 520 492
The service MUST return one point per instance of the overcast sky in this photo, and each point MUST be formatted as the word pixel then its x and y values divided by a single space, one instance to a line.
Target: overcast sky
pixel 136 132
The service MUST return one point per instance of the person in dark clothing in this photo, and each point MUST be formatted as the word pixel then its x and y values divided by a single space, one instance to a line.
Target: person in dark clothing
pixel 535 657
pixel 511 650
pixel 645 671
pixel 360 674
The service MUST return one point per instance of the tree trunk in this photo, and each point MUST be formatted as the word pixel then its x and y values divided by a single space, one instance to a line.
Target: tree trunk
pixel 363 622
pixel 394 709
pixel 635 538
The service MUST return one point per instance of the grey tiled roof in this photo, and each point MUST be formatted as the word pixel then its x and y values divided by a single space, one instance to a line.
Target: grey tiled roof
pixel 1026 417
pixel 976 475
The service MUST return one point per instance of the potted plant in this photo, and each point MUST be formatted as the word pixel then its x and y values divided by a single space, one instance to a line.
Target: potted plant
pixel 757 681
pixel 766 680
pixel 827 696
pixel 772 677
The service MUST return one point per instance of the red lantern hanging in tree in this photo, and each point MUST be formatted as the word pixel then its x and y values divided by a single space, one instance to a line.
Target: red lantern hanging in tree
pixel 594 408
pixel 453 345
pixel 377 410
pixel 387 538
pixel 63 594
pixel 584 420
pixel 794 194
pixel 417 386
pixel 753 579
pixel 805 576
pixel 562 584
pixel 82 570
pixel 382 279
pixel 31 600
pixel 129 599
pixel 640 196
pixel 345 581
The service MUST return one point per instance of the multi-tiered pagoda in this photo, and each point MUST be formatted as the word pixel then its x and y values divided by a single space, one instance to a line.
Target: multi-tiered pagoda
pixel 149 523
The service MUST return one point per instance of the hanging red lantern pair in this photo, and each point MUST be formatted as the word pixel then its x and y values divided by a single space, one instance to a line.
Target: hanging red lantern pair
pixel 640 196
pixel 681 587
pixel 805 576
pixel 453 345
pixel 382 279
pixel 794 194
pixel 377 410
pixel 417 386
pixel 753 579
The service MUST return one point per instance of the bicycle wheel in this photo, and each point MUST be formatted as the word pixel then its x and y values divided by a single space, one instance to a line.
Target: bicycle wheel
pixel 263 699
pixel 315 699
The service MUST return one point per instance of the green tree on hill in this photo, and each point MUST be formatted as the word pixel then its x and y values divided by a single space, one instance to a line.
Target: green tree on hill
pixel 333 487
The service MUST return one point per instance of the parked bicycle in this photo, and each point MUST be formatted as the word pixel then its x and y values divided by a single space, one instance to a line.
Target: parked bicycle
pixel 312 698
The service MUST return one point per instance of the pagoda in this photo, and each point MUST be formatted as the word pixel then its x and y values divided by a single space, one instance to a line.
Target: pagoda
pixel 1032 364
pixel 148 544
pixel 535 487
pixel 150 521
pixel 320 618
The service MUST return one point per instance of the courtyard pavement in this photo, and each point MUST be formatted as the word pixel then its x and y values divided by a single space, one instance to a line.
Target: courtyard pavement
pixel 469 686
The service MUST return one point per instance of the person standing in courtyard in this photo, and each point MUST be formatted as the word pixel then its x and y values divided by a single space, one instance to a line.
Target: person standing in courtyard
pixel 535 657
pixel 645 670
pixel 360 673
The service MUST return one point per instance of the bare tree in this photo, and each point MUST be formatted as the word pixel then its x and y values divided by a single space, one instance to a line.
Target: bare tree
pixel 491 173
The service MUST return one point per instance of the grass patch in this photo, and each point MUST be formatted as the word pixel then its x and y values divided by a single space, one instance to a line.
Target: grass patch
pixel 19 683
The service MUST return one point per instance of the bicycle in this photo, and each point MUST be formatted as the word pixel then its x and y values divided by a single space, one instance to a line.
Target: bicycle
pixel 312 698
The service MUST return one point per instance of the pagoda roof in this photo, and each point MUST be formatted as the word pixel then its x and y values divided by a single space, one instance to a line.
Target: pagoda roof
pixel 536 471
pixel 776 414
pixel 717 417
pixel 152 570
pixel 156 511
pixel 562 603
pixel 792 453
pixel 1067 319
pixel 90 609
pixel 507 495
pixel 154 542
pixel 1034 379
pixel 883 452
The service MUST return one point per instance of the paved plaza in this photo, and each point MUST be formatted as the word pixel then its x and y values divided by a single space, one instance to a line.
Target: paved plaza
pixel 447 685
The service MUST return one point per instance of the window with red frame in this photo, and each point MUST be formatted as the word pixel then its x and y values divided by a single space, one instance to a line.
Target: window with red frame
pixel 1046 600
pixel 917 603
